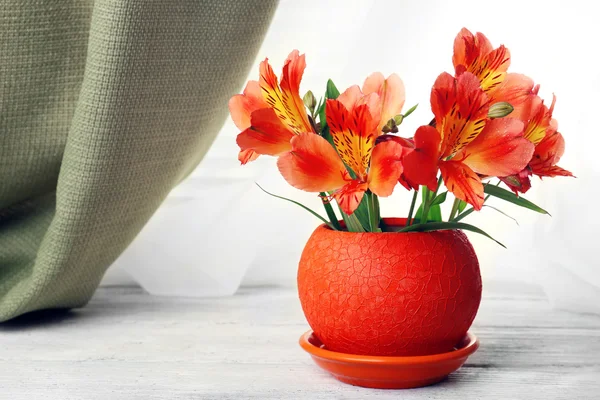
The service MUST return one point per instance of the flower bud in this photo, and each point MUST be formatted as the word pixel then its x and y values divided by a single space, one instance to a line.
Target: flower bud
pixel 390 127
pixel 500 110
pixel 309 101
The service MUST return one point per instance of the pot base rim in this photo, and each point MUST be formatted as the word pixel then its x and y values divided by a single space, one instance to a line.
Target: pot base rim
pixel 389 372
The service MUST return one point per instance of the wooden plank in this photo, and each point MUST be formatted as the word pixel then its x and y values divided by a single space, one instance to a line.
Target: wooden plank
pixel 128 345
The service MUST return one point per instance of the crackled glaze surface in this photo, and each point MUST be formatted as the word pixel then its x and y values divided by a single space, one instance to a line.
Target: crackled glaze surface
pixel 389 293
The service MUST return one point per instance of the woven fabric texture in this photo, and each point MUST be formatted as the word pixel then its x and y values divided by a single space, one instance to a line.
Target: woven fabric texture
pixel 104 106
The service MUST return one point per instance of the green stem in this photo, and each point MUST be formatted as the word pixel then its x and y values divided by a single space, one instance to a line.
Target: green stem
pixel 467 212
pixel 426 201
pixel 373 212
pixel 429 196
pixel 412 207
pixel 369 211
pixel 330 213
pixel 377 209
pixel 352 223
pixel 470 210
pixel 454 209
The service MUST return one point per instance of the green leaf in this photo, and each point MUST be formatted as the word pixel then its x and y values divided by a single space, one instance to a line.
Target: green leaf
pixel 509 196
pixel 352 223
pixel 410 110
pixel 330 213
pixel 377 209
pixel 439 199
pixel 419 213
pixel 502 212
pixel 321 107
pixel 373 208
pixel 332 92
pixel 463 215
pixel 321 112
pixel 461 207
pixel 440 226
pixel 435 211
pixel 434 214
pixel 298 204
pixel 362 214
pixel 327 135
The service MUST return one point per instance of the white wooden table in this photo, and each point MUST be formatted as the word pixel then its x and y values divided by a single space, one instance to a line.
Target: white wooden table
pixel 128 345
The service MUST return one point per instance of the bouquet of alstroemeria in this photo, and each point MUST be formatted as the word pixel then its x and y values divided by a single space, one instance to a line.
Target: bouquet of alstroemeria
pixel 487 124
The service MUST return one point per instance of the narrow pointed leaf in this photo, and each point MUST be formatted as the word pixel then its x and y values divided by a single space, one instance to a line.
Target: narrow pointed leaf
pixel 461 207
pixel 502 212
pixel 362 214
pixel 320 105
pixel 352 223
pixel 509 196
pixel 330 213
pixel 439 199
pixel 440 226
pixel 298 204
pixel 463 215
pixel 373 212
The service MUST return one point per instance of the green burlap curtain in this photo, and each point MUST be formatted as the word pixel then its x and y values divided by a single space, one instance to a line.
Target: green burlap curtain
pixel 104 106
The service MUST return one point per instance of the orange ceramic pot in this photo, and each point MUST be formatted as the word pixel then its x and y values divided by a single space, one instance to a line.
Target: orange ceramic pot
pixel 389 294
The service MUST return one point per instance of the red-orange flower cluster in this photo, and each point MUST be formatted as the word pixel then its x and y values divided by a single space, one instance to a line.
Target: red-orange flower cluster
pixel 474 53
pixel 275 122
pixel 464 145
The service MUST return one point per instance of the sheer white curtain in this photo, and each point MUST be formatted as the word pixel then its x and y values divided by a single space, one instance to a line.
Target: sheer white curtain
pixel 233 233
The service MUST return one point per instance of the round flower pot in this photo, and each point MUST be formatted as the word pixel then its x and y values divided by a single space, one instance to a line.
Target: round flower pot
pixel 389 294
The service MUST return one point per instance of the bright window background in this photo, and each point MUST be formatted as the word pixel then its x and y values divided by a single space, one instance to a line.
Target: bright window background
pixel 554 42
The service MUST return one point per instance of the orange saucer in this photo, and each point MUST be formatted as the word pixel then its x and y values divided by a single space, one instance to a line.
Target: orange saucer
pixel 389 372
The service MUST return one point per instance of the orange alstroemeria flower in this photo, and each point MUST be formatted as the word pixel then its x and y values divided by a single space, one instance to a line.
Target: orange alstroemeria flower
pixel 465 144
pixel 408 146
pixel 241 107
pixel 541 129
pixel 547 154
pixel 385 97
pixel 474 53
pixel 314 165
pixel 270 113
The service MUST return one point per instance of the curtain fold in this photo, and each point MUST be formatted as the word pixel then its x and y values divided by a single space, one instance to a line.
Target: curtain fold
pixel 105 106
